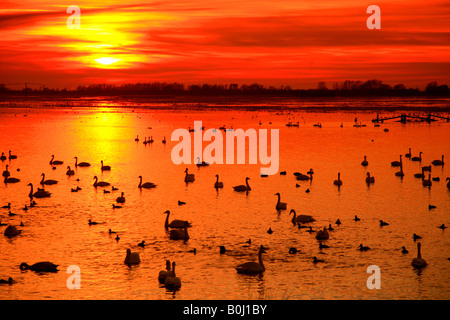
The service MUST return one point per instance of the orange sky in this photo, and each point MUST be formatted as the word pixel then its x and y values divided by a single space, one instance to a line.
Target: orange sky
pixel 283 42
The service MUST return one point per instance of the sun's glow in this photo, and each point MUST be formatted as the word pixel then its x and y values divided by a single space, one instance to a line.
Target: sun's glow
pixel 106 60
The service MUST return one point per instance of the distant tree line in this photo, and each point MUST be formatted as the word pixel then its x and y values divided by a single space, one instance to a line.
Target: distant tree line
pixel 346 88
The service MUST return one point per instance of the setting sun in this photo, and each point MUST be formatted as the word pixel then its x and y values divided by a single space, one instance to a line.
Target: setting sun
pixel 107 60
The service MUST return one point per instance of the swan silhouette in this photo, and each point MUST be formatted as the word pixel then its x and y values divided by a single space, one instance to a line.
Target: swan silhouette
pixel 419 158
pixel 280 205
pixel 44 266
pixel 3 157
pixel 322 234
pixel 242 188
pixel 174 223
pixel 218 184
pixel 427 183
pixel 164 273
pixel 179 234
pixel 69 172
pixel 418 262
pixel 408 155
pixel 188 177
pixel 121 199
pixel 55 162
pixel 201 163
pixel 11 156
pixel 370 179
pixel 397 163
pixel 365 163
pixel 338 182
pixel 146 185
pixel 6 173
pixel 105 168
pixel 81 164
pixel 362 248
pixel 252 267
pixel 100 183
pixel 172 282
pixel 11 180
pixel 41 193
pixel 47 182
pixel 302 218
pixel 438 162
pixel 132 257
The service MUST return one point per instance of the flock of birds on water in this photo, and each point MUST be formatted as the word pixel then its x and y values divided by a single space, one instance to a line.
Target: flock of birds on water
pixel 178 229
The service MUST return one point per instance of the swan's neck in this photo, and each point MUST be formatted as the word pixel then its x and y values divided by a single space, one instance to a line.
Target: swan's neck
pixel 95 183
pixel 419 256
pixel 31 191
pixel 76 161
pixel 260 260
pixel 166 224
pixel 43 177
pixel 246 182
pixel 279 197
pixel 217 179
pixel 140 182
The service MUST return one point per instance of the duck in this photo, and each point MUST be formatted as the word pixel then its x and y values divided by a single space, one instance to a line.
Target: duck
pixel 12 214
pixel 47 182
pixel 430 206
pixel 322 234
pixel 418 262
pixel 252 268
pixel 303 218
pixel 181 203
pixel 175 223
pixel 362 248
pixel 427 168
pixel 41 193
pixel 415 237
pixel 132 257
pixel 116 206
pixel 370 179
pixel 8 206
pixel 270 231
pixel 356 218
pixel 304 177
pixel 146 185
pixel 243 188
pixel 9 281
pixel 179 234
pixel 222 249
pixel 382 223
pixel 69 171
pixel 6 173
pixel 114 188
pixel 100 183
pixel 172 282
pixel 104 191
pixel 3 157
pixel 11 156
pixel 141 244
pixel 137 138
pixel 438 162
pixel 164 273
pixel 293 250
pixel 338 222
pixel 442 226
pixel 419 158
pixel 81 164
pixel 427 183
pixel 280 205
pixel 44 266
pixel 55 162
pixel 365 163
pixel 104 168
pixel 92 223
pixel 121 199
pixel 111 232
pixel 338 182
pixel 397 163
pixel 404 250
pixel 189 177
pixel 117 238
pixel 408 155
pixel 323 246
pixel 315 260
pixel 218 184
pixel 164 140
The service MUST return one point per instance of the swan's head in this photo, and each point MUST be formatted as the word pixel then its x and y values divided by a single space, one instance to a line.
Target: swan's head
pixel 43 174
pixel 247 178
pixel 30 184
pixel 277 194
pixel 292 210
pixel 262 249
pixel 140 177
pixel 166 212
pixel 95 178
pixel 24 266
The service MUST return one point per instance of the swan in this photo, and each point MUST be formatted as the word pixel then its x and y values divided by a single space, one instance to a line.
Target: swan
pixel 218 184
pixel 174 223
pixel 70 172
pixel 179 234
pixel 418 262
pixel 242 188
pixel 81 164
pixel 427 168
pixel 408 155
pixel 365 163
pixel 9 281
pixel 438 162
pixel 3 157
pixel 400 173
pixel 137 138
pixel 323 246
pixel 8 206
pixel 419 158
pixel 105 168
pixel 141 244
pixel 427 183
pixel 370 179
pixel 164 140
pixel 44 266
pixel 201 163
pixel 362 248
pixel 146 185
pixel 172 282
pixel 280 205
pixel 164 273
pixel 397 163
pixel 338 182
pixel 322 234
pixel 303 218
pixel 315 260
pixel 38 194
pixel 188 177
pixel 12 156
pixel 11 180
pixel 121 199
pixel 47 182
pixel 420 175
pixel 6 173
pixel 132 257
pixel 11 231
pixel 252 267
pixel 150 140
pixel 100 183
pixel 55 162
